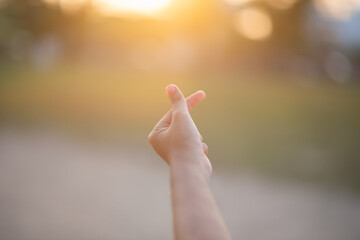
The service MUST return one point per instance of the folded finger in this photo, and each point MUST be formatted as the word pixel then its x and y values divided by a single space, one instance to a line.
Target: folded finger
pixel 191 101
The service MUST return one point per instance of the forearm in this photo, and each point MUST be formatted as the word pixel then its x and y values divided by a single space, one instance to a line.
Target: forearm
pixel 195 212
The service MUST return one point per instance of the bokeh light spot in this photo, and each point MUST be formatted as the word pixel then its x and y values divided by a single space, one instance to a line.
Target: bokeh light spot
pixel 340 10
pixel 253 23
pixel 338 67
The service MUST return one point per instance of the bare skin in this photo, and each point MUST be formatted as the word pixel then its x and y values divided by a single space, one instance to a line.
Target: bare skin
pixel 177 140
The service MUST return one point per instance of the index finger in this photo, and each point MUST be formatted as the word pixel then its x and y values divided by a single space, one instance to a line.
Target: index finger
pixel 192 101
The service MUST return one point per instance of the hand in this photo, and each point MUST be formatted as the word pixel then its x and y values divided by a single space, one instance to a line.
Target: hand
pixel 175 137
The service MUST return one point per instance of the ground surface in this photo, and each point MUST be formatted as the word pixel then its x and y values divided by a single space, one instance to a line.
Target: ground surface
pixel 55 187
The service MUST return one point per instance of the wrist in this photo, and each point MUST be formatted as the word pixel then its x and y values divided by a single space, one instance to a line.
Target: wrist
pixel 192 156
pixel 189 161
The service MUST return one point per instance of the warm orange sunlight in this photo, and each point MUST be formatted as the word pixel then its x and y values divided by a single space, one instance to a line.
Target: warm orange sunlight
pixel 147 7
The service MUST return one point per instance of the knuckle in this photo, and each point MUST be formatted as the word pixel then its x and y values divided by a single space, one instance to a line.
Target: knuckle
pixel 176 99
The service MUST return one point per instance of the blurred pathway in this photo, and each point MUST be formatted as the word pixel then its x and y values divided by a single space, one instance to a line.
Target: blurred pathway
pixel 53 187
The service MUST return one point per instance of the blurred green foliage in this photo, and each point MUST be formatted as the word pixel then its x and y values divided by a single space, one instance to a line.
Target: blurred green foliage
pixel 269 123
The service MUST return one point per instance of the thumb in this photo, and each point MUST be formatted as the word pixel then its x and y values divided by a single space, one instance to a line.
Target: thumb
pixel 177 99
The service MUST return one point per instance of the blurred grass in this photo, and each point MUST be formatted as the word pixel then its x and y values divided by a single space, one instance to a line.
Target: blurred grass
pixel 269 123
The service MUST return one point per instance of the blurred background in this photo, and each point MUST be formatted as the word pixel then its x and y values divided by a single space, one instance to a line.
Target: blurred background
pixel 82 84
